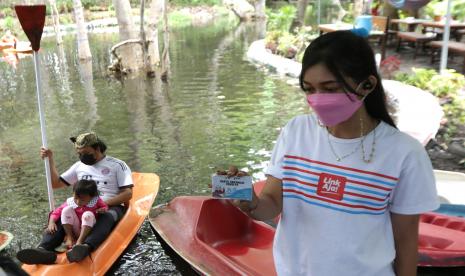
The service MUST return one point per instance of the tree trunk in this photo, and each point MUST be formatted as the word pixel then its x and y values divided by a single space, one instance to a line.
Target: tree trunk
pixel 340 12
pixel 56 21
pixel 83 41
pixel 152 51
pixel 299 19
pixel 358 8
pixel 126 25
pixel 165 56
pixel 128 56
pixel 260 8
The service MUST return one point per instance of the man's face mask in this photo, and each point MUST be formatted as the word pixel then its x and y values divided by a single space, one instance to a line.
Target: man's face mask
pixel 87 158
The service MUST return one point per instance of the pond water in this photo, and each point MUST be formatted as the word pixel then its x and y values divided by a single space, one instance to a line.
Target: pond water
pixel 217 109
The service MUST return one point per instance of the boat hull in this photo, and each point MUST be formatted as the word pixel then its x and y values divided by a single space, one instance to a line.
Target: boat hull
pixel 144 192
pixel 214 237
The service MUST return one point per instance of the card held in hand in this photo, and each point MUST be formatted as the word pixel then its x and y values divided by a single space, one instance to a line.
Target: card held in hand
pixel 234 187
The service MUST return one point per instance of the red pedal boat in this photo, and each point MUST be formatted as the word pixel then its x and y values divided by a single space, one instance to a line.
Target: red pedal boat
pixel 216 238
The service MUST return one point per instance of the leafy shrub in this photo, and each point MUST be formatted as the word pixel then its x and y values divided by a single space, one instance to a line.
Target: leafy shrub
pixel 439 7
pixel 289 45
pixel 4 12
pixel 9 23
pixel 280 19
pixel 446 86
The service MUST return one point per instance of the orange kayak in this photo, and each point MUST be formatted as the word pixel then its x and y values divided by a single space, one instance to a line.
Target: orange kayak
pixel 27 50
pixel 143 194
pixel 6 45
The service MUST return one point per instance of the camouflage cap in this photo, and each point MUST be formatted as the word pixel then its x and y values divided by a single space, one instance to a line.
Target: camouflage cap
pixel 85 140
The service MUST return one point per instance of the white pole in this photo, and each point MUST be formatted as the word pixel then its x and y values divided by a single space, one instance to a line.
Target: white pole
pixel 318 19
pixel 445 39
pixel 51 201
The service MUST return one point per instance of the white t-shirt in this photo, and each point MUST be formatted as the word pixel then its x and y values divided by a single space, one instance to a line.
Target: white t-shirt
pixel 336 214
pixel 110 174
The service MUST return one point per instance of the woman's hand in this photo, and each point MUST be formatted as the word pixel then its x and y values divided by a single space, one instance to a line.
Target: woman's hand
pixel 52 227
pixel 245 205
pixel 232 171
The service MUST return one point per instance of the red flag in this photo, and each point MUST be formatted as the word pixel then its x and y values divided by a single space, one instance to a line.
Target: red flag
pixel 32 19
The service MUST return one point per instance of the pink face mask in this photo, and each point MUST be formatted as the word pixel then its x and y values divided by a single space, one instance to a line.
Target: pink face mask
pixel 334 108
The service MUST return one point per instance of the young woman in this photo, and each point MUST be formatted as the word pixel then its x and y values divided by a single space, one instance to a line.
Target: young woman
pixel 348 184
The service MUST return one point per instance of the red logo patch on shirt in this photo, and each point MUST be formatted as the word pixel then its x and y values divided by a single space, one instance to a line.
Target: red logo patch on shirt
pixel 332 186
pixel 105 171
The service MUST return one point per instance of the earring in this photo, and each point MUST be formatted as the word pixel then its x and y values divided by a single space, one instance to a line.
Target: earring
pixel 367 85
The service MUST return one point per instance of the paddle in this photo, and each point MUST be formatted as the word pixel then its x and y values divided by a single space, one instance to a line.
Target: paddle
pixel 32 19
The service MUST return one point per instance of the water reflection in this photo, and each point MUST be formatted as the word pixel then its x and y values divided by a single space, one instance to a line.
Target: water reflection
pixel 134 88
pixel 217 109
pixel 87 81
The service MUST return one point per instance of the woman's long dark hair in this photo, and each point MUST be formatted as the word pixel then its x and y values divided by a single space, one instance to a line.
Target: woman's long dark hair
pixel 346 54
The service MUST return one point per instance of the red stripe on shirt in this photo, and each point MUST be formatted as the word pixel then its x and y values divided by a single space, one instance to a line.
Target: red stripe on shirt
pixel 333 202
pixel 345 192
pixel 349 180
pixel 341 167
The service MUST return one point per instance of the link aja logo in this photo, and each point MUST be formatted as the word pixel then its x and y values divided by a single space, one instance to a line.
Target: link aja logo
pixel 332 186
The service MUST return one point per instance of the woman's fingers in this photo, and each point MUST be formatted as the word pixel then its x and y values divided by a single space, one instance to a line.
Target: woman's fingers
pixel 242 173
pixel 232 171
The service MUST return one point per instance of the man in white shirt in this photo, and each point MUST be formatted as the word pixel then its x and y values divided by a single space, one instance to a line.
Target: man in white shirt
pixel 114 182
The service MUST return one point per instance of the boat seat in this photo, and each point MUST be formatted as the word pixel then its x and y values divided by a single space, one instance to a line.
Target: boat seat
pixel 453 46
pixel 418 39
pixel 237 237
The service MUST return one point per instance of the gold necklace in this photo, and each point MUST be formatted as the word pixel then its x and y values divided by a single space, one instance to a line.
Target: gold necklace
pixel 370 156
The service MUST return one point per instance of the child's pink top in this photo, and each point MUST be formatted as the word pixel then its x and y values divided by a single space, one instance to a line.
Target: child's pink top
pixel 94 204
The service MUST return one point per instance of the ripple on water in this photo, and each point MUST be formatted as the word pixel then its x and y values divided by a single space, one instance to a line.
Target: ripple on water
pixel 145 255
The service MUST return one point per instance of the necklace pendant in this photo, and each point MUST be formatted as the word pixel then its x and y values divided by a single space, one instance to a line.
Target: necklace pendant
pixel 338 159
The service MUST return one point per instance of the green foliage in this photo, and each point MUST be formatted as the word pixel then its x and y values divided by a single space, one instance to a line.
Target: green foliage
pixel 458 10
pixel 419 79
pixel 4 12
pixel 64 6
pixel 439 8
pixel 289 45
pixel 179 19
pixel 9 23
pixel 445 86
pixel 280 19
pixel 349 7
pixel 286 45
pixel 309 14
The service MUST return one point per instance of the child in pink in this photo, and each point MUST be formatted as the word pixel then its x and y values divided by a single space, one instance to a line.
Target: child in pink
pixel 78 213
